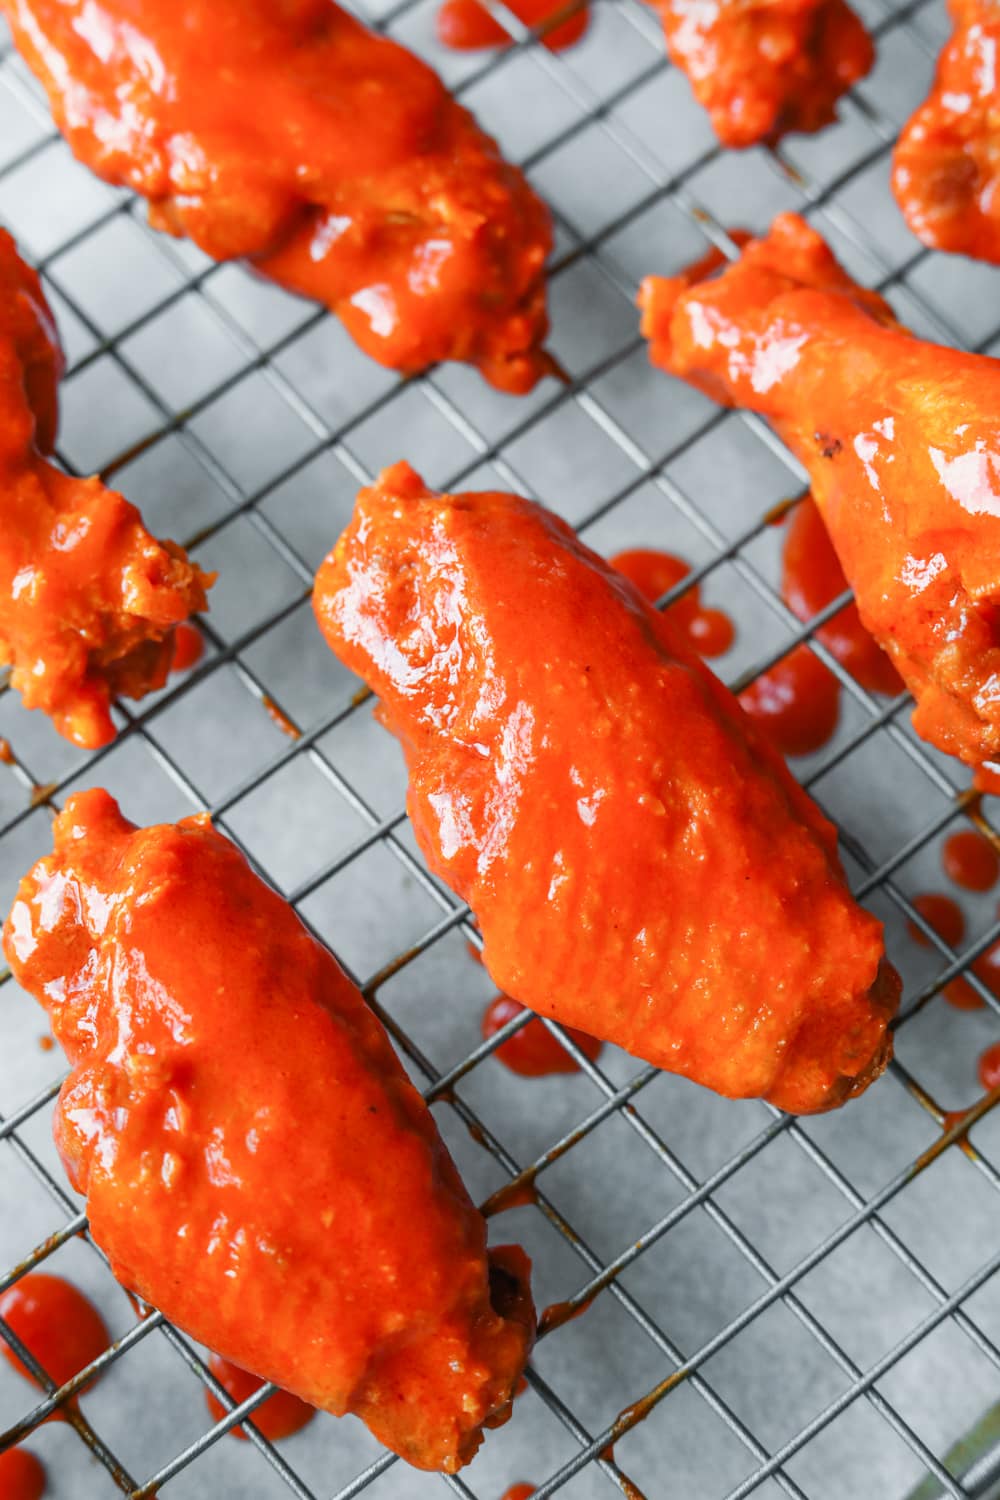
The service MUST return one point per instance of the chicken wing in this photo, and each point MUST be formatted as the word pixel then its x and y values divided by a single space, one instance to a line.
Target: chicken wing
pixel 902 442
pixel 88 599
pixel 946 165
pixel 763 68
pixel 331 157
pixel 255 1162
pixel 641 863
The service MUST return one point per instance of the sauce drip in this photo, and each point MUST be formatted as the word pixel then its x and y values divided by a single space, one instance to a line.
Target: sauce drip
pixel 280 718
pixel 970 860
pixel 986 778
pixel 6 753
pixel 811 578
pixel 189 647
pixel 989 1067
pixel 534 1051
pixel 277 1417
pixel 22 1475
pixel 796 703
pixel 518 1492
pixel 46 1043
pixel 56 1322
pixel 941 913
pixel 986 968
pixel 468 26
pixel 710 632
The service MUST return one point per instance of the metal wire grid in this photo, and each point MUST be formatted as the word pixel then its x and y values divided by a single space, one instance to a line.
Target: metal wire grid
pixel 598 110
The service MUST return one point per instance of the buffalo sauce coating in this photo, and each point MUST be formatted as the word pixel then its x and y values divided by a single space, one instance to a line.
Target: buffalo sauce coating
pixel 89 601
pixel 281 1415
pixel 766 67
pixel 330 156
pixel 467 26
pixel 902 443
pixel 533 1051
pixel 641 863
pixel 254 1160
pixel 55 1322
pixel 22 1475
pixel 946 165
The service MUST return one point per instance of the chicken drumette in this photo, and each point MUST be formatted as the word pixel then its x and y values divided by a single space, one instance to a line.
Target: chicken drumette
pixel 641 863
pixel 255 1162
pixel 946 166
pixel 763 68
pixel 88 599
pixel 331 157
pixel 902 442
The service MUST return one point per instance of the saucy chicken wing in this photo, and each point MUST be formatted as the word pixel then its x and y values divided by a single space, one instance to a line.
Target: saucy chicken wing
pixel 902 442
pixel 88 599
pixel 255 1162
pixel 331 157
pixel 763 68
pixel 641 863
pixel 946 165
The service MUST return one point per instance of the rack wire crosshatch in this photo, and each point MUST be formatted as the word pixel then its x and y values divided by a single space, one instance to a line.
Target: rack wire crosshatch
pixel 772 1306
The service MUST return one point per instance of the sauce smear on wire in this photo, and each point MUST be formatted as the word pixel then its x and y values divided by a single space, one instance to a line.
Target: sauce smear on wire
pixel 533 1051
pixel 277 1417
pixel 970 860
pixel 989 1067
pixel 467 26
pixel 55 1322
pixel 22 1475
pixel 709 631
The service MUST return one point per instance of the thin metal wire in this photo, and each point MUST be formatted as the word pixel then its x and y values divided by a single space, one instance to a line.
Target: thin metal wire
pixel 625 1101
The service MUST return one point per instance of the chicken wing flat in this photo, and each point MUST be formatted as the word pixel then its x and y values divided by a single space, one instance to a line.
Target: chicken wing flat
pixel 89 601
pixel 284 131
pixel 641 863
pixel 763 68
pixel 255 1162
pixel 946 165
pixel 901 439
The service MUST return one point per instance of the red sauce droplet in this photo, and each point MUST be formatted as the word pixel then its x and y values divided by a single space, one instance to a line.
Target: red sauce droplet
pixel 467 26
pixel 6 753
pixel 277 1417
pixel 986 967
pixel 989 1067
pixel 55 1322
pixel 519 1492
pixel 46 1043
pixel 534 1051
pixel 22 1475
pixel 796 703
pixel 941 913
pixel 189 647
pixel 811 576
pixel 970 861
pixel 709 631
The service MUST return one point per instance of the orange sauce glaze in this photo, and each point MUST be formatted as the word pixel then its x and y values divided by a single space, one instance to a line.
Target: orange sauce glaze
pixel 189 648
pixel 254 1159
pixel 941 913
pixel 534 1051
pixel 710 631
pixel 330 156
pixel 22 1475
pixel 946 167
pixel 989 1067
pixel 519 1492
pixel 89 601
pixel 763 68
pixel 592 790
pixel 278 1417
pixel 900 440
pixel 970 860
pixel 467 26
pixel 55 1322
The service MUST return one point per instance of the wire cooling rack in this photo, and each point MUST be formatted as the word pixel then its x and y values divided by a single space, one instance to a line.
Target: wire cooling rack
pixel 769 1306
